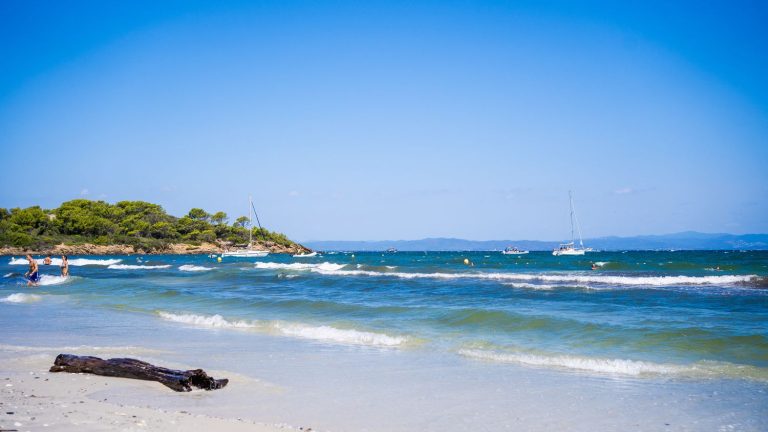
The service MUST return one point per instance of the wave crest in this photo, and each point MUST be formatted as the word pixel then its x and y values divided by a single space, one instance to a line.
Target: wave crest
pixel 137 267
pixel 333 334
pixel 658 281
pixel 193 268
pixel 76 262
pixel 322 333
pixel 325 266
pixel 635 368
pixel 53 280
pixel 21 298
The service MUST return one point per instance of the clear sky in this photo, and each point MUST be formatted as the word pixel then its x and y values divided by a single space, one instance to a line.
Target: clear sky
pixel 394 120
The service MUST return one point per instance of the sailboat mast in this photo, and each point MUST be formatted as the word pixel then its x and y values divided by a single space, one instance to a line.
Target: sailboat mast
pixel 250 222
pixel 576 219
pixel 570 198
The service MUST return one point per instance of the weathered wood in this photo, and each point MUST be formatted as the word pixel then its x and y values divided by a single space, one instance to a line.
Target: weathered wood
pixel 181 381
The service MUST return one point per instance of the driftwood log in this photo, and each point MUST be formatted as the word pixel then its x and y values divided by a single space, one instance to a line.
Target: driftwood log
pixel 181 381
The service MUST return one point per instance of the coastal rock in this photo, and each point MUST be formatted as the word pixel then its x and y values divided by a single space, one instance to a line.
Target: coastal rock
pixel 170 249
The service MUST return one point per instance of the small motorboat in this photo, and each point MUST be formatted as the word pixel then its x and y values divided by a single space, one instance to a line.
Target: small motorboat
pixel 305 255
pixel 513 251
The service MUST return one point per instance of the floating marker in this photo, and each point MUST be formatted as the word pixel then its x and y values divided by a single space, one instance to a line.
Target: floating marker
pixel 466 261
pixel 218 259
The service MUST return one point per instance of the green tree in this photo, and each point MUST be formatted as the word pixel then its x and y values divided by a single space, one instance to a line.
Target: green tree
pixel 219 218
pixel 241 222
pixel 199 214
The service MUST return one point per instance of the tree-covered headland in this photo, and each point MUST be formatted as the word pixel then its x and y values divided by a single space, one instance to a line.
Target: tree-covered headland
pixel 139 224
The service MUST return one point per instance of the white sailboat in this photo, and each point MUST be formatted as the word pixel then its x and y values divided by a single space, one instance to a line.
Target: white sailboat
pixel 249 251
pixel 571 248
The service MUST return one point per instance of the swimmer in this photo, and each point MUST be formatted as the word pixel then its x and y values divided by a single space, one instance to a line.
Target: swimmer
pixel 32 275
pixel 64 266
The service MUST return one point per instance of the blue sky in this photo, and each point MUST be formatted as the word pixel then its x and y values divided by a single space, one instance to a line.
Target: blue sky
pixel 394 120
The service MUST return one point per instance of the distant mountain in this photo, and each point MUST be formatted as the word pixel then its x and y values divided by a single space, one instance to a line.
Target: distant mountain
pixel 685 240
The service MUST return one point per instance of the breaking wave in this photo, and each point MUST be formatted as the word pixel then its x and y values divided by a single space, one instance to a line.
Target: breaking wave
pixel 659 281
pixel 531 286
pixel 76 262
pixel 320 333
pixel 52 279
pixel 21 298
pixel 333 334
pixel 194 268
pixel 326 266
pixel 700 369
pixel 137 267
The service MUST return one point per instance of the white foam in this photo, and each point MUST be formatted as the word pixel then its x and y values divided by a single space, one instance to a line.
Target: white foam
pixel 21 298
pixel 561 278
pixel 530 285
pixel 212 321
pixel 76 262
pixel 137 267
pixel 194 268
pixel 325 266
pixel 601 263
pixel 7 275
pixel 320 333
pixel 333 334
pixel 52 279
pixel 600 365
pixel 700 369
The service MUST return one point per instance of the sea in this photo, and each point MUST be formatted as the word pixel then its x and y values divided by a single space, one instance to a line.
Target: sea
pixel 406 341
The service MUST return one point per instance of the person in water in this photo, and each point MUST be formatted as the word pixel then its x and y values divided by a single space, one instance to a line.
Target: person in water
pixel 32 275
pixel 47 260
pixel 64 266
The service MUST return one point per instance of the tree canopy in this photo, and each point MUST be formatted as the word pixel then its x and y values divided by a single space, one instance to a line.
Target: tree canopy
pixel 136 223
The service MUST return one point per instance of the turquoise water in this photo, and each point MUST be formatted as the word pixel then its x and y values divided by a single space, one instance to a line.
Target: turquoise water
pixel 693 315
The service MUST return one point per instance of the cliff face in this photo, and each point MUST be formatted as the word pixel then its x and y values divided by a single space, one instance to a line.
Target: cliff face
pixel 173 249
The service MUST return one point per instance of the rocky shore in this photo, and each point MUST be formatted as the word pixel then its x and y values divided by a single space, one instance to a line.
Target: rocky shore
pixel 170 249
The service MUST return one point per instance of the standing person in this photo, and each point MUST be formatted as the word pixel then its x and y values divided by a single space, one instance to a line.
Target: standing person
pixel 64 266
pixel 47 260
pixel 32 274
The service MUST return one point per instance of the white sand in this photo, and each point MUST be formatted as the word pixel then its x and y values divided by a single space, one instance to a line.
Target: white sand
pixel 32 399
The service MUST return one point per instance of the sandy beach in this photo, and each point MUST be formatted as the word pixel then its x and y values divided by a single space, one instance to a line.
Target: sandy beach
pixel 35 399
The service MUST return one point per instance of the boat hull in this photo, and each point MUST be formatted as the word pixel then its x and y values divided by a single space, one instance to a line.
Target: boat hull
pixel 568 252
pixel 514 252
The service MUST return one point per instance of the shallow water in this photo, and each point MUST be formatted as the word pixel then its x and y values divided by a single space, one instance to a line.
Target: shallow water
pixel 444 344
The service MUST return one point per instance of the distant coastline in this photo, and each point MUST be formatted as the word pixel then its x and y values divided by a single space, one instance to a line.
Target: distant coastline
pixel 689 240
